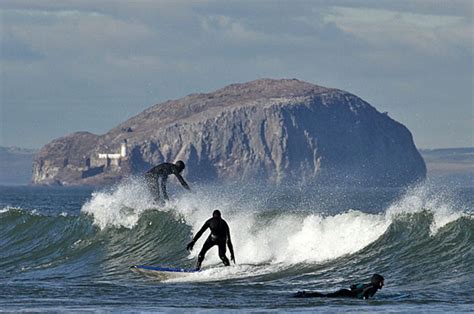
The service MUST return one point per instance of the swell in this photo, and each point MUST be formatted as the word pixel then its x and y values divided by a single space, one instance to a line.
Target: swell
pixel 31 241
pixel 410 251
pixel 75 247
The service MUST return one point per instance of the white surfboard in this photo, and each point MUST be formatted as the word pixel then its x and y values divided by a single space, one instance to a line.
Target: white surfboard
pixel 162 273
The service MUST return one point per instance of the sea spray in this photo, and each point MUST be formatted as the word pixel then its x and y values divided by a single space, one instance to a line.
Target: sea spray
pixel 425 197
pixel 121 205
pixel 283 238
pixel 297 236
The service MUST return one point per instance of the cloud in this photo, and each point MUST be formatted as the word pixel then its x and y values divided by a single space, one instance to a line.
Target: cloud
pixel 425 34
pixel 459 8
pixel 230 28
pixel 96 54
pixel 134 62
pixel 16 49
pixel 62 33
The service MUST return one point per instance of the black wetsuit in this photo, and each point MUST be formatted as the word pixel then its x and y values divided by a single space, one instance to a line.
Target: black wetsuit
pixel 359 291
pixel 220 236
pixel 163 171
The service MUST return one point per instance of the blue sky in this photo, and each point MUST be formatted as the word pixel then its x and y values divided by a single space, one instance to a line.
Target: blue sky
pixel 87 65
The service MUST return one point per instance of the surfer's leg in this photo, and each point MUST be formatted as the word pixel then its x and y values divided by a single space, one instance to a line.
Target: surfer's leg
pixel 222 250
pixel 308 294
pixel 207 245
pixel 343 293
pixel 163 188
pixel 152 182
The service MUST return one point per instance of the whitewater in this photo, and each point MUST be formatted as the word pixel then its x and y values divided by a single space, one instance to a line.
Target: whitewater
pixel 71 249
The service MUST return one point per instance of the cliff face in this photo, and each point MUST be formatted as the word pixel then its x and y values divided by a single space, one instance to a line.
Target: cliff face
pixel 270 130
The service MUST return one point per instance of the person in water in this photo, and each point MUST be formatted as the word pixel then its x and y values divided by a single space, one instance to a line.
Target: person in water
pixel 359 291
pixel 161 173
pixel 220 236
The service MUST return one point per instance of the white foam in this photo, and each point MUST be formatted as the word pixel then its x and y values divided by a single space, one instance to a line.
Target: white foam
pixel 288 238
pixel 10 208
pixel 324 238
pixel 285 239
pixel 4 210
pixel 33 212
pixel 120 207
pixel 424 198
pixel 225 273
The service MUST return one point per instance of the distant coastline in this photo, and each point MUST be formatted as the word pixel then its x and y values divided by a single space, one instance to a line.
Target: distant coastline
pixel 450 165
pixel 449 160
pixel 16 165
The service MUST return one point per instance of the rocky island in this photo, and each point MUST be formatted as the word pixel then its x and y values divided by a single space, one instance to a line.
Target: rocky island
pixel 275 131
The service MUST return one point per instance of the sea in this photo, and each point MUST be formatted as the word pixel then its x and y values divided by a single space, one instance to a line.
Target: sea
pixel 70 249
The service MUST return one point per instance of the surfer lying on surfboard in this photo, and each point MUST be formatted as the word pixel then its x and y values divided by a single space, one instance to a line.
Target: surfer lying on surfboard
pixel 360 291
pixel 220 236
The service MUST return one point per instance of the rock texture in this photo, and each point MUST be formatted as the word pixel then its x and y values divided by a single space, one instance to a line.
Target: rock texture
pixel 272 130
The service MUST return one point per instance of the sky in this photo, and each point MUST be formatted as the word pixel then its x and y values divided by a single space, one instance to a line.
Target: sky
pixel 87 65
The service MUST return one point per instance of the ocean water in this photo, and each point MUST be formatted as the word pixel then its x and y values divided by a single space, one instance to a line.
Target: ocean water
pixel 65 249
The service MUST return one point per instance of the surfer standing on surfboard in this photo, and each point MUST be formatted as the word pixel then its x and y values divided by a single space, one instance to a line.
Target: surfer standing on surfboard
pixel 162 171
pixel 220 236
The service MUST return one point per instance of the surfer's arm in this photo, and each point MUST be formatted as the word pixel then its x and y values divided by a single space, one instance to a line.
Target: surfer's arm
pixel 181 180
pixel 190 245
pixel 368 292
pixel 201 231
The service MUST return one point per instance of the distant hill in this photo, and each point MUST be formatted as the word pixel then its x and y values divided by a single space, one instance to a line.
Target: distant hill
pixel 16 165
pixel 450 165
pixel 268 130
pixel 449 159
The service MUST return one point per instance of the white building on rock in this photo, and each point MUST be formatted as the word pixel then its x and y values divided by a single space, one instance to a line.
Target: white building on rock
pixel 114 159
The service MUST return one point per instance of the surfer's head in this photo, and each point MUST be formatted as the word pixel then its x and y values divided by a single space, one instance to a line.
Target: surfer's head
pixel 377 280
pixel 180 165
pixel 216 214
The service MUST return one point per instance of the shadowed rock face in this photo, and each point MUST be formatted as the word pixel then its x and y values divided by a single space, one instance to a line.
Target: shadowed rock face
pixel 265 130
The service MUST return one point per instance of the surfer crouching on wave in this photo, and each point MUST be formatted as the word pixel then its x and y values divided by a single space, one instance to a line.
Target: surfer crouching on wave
pixel 220 236
pixel 162 171
pixel 360 291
